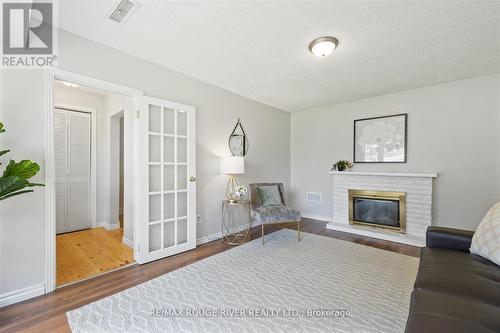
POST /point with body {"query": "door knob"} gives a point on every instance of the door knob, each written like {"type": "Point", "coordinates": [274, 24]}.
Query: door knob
{"type": "Point", "coordinates": [192, 179]}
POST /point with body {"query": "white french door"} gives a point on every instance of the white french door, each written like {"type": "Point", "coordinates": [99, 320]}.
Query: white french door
{"type": "Point", "coordinates": [72, 142]}
{"type": "Point", "coordinates": [167, 184]}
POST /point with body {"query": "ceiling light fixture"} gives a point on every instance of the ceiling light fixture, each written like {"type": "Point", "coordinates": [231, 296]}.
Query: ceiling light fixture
{"type": "Point", "coordinates": [323, 46]}
{"type": "Point", "coordinates": [123, 11]}
{"type": "Point", "coordinates": [69, 84]}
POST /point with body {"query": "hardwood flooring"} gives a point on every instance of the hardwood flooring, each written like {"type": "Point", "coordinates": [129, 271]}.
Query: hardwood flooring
{"type": "Point", "coordinates": [86, 253]}
{"type": "Point", "coordinates": [48, 313]}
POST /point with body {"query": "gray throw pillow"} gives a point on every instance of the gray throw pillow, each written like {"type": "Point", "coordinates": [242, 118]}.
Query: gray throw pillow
{"type": "Point", "coordinates": [270, 195]}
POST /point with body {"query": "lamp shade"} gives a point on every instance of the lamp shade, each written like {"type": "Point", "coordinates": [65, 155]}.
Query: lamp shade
{"type": "Point", "coordinates": [232, 165]}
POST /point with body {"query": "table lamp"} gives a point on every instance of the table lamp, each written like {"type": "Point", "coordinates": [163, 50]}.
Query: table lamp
{"type": "Point", "coordinates": [232, 166]}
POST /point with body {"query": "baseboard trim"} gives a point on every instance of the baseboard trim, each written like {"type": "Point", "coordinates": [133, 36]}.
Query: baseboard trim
{"type": "Point", "coordinates": [317, 217]}
{"type": "Point", "coordinates": [21, 294]}
{"type": "Point", "coordinates": [128, 242]}
{"type": "Point", "coordinates": [218, 235]}
{"type": "Point", "coordinates": [101, 224]}
{"type": "Point", "coordinates": [112, 226]}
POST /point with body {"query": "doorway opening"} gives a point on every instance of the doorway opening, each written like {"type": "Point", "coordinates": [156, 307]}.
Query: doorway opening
{"type": "Point", "coordinates": [159, 171]}
{"type": "Point", "coordinates": [93, 170]}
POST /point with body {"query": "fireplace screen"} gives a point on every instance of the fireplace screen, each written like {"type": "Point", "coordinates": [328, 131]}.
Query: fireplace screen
{"type": "Point", "coordinates": [377, 208]}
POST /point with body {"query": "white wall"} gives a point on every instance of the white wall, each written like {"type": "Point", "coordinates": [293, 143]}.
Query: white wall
{"type": "Point", "coordinates": [217, 109]}
{"type": "Point", "coordinates": [22, 227]}
{"type": "Point", "coordinates": [453, 129]}
{"type": "Point", "coordinates": [119, 107]}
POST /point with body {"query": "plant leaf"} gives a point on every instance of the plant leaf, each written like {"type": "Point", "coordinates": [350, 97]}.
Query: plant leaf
{"type": "Point", "coordinates": [3, 152]}
{"type": "Point", "coordinates": [24, 169]}
{"type": "Point", "coordinates": [34, 184]}
{"type": "Point", "coordinates": [14, 194]}
{"type": "Point", "coordinates": [11, 184]}
{"type": "Point", "coordinates": [15, 177]}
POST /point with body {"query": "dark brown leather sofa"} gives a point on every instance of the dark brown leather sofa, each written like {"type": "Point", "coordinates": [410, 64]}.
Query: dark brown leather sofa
{"type": "Point", "coordinates": [455, 291]}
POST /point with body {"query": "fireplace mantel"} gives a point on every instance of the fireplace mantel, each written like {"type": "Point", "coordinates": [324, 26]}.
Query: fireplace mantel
{"type": "Point", "coordinates": [386, 174]}
{"type": "Point", "coordinates": [418, 187]}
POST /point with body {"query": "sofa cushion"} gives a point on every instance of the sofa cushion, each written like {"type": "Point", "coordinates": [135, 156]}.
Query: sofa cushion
{"type": "Point", "coordinates": [434, 311]}
{"type": "Point", "coordinates": [486, 239]}
{"type": "Point", "coordinates": [274, 214]}
{"type": "Point", "coordinates": [460, 274]}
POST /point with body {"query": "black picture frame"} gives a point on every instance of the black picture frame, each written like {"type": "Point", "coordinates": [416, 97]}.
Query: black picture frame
{"type": "Point", "coordinates": [405, 115]}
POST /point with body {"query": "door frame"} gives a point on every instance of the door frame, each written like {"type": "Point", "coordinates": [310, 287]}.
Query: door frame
{"type": "Point", "coordinates": [50, 75]}
{"type": "Point", "coordinates": [93, 156]}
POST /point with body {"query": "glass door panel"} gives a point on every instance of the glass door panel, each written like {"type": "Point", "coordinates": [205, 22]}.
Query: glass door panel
{"type": "Point", "coordinates": [182, 178]}
{"type": "Point", "coordinates": [182, 231]}
{"type": "Point", "coordinates": [154, 178]}
{"type": "Point", "coordinates": [168, 234]}
{"type": "Point", "coordinates": [154, 119]}
{"type": "Point", "coordinates": [181, 150]}
{"type": "Point", "coordinates": [169, 149]}
{"type": "Point", "coordinates": [154, 237]}
{"type": "Point", "coordinates": [168, 121]}
{"type": "Point", "coordinates": [168, 177]}
{"type": "Point", "coordinates": [169, 206]}
{"type": "Point", "coordinates": [182, 122]}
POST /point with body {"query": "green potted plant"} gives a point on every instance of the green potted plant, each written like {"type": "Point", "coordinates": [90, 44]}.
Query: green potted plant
{"type": "Point", "coordinates": [14, 179]}
{"type": "Point", "coordinates": [341, 165]}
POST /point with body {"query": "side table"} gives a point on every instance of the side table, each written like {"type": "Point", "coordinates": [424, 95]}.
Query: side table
{"type": "Point", "coordinates": [236, 222]}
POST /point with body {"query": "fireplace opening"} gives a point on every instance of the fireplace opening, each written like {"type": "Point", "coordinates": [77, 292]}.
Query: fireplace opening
{"type": "Point", "coordinates": [378, 208]}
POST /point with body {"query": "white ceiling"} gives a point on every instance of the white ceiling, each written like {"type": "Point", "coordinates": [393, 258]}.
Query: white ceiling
{"type": "Point", "coordinates": [259, 49]}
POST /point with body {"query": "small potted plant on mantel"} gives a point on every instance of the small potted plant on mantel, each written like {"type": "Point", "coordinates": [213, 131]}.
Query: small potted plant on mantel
{"type": "Point", "coordinates": [341, 165]}
{"type": "Point", "coordinates": [14, 179]}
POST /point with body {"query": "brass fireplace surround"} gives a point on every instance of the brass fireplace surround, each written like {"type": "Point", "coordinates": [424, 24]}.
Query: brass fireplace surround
{"type": "Point", "coordinates": [398, 196]}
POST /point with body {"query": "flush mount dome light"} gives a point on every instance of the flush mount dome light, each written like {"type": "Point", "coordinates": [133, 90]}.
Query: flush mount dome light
{"type": "Point", "coordinates": [323, 46]}
{"type": "Point", "coordinates": [70, 84]}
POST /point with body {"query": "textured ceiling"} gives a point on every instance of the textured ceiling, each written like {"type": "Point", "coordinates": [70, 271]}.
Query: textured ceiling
{"type": "Point", "coordinates": [259, 49]}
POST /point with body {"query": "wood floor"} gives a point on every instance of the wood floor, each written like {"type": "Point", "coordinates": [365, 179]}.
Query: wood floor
{"type": "Point", "coordinates": [86, 253]}
{"type": "Point", "coordinates": [48, 313]}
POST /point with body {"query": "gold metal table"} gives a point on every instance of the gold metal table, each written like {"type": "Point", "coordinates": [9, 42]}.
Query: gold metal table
{"type": "Point", "coordinates": [236, 222]}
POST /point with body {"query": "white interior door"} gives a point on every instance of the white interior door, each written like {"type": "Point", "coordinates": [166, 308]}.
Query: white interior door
{"type": "Point", "coordinates": [72, 160]}
{"type": "Point", "coordinates": [168, 169]}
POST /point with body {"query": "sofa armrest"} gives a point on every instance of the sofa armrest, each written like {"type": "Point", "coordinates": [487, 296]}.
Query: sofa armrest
{"type": "Point", "coordinates": [449, 238]}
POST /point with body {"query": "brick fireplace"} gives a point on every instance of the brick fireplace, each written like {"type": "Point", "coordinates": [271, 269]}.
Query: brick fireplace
{"type": "Point", "coordinates": [386, 205]}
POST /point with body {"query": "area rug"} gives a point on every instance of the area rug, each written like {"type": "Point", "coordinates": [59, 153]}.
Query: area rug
{"type": "Point", "coordinates": [320, 284]}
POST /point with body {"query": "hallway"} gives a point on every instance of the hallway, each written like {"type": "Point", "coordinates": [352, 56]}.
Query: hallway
{"type": "Point", "coordinates": [90, 252]}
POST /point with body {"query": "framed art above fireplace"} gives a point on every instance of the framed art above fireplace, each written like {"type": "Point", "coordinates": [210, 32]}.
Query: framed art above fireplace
{"type": "Point", "coordinates": [381, 139]}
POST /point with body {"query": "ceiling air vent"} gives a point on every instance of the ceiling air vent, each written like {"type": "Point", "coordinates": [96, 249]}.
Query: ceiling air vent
{"type": "Point", "coordinates": [123, 11]}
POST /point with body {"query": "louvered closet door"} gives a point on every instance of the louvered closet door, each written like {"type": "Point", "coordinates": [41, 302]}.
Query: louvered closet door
{"type": "Point", "coordinates": [61, 150]}
{"type": "Point", "coordinates": [79, 171]}
{"type": "Point", "coordinates": [72, 139]}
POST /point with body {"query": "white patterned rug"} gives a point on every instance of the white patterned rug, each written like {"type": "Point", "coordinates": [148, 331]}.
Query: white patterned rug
{"type": "Point", "coordinates": [270, 288]}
